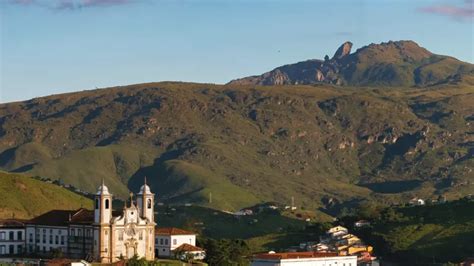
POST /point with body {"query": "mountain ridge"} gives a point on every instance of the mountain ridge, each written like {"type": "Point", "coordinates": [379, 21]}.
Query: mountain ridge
{"type": "Point", "coordinates": [393, 63]}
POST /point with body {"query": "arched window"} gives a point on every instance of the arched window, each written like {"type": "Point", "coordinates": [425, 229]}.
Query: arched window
{"type": "Point", "coordinates": [148, 205]}
{"type": "Point", "coordinates": [96, 204]}
{"type": "Point", "coordinates": [107, 203]}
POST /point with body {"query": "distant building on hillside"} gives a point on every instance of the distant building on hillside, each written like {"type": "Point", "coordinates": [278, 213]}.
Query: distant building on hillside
{"type": "Point", "coordinates": [361, 223]}
{"type": "Point", "coordinates": [417, 202]}
{"type": "Point", "coordinates": [12, 237]}
{"type": "Point", "coordinates": [303, 258]}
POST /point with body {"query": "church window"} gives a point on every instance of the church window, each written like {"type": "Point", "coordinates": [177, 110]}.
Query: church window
{"type": "Point", "coordinates": [107, 204]}
{"type": "Point", "coordinates": [149, 204]}
{"type": "Point", "coordinates": [96, 204]}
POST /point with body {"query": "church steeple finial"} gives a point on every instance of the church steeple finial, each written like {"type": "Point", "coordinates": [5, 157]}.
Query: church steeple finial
{"type": "Point", "coordinates": [145, 180]}
{"type": "Point", "coordinates": [131, 199]}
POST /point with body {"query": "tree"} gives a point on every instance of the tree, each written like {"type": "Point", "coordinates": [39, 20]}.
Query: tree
{"type": "Point", "coordinates": [226, 252]}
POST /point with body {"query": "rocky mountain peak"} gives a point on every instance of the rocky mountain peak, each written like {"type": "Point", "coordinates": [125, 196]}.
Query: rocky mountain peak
{"type": "Point", "coordinates": [343, 50]}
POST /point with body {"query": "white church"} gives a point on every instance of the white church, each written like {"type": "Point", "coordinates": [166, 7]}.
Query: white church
{"type": "Point", "coordinates": [132, 233]}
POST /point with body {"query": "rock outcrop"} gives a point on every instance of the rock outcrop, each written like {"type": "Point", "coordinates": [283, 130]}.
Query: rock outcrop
{"type": "Point", "coordinates": [344, 49]}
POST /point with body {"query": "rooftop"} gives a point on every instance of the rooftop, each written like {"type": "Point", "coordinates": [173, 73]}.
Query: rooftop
{"type": "Point", "coordinates": [188, 247]}
{"type": "Point", "coordinates": [12, 223]}
{"type": "Point", "coordinates": [295, 255]}
{"type": "Point", "coordinates": [172, 231]}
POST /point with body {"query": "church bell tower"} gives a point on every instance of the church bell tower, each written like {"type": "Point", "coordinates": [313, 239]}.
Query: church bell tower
{"type": "Point", "coordinates": [102, 216]}
{"type": "Point", "coordinates": [146, 202]}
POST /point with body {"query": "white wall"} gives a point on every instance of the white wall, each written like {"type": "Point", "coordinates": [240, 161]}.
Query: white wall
{"type": "Point", "coordinates": [165, 244]}
{"type": "Point", "coordinates": [11, 244]}
{"type": "Point", "coordinates": [330, 261]}
{"type": "Point", "coordinates": [46, 238]}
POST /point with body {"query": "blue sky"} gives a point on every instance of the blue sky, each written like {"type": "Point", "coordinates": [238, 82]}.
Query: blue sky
{"type": "Point", "coordinates": [56, 46]}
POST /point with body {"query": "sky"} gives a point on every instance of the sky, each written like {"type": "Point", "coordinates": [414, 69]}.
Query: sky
{"type": "Point", "coordinates": [56, 46]}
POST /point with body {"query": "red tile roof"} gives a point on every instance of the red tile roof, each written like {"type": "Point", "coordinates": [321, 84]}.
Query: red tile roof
{"type": "Point", "coordinates": [168, 231]}
{"type": "Point", "coordinates": [295, 255]}
{"type": "Point", "coordinates": [64, 217]}
{"type": "Point", "coordinates": [188, 248]}
{"type": "Point", "coordinates": [12, 223]}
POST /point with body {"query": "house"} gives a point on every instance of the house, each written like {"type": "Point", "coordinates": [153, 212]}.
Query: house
{"type": "Point", "coordinates": [12, 237]}
{"type": "Point", "coordinates": [417, 202]}
{"type": "Point", "coordinates": [189, 251]}
{"type": "Point", "coordinates": [101, 235]}
{"type": "Point", "coordinates": [337, 231]}
{"type": "Point", "coordinates": [309, 258]}
{"type": "Point", "coordinates": [169, 238]}
{"type": "Point", "coordinates": [361, 224]}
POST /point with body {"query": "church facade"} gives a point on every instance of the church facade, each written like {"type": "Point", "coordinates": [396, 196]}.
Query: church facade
{"type": "Point", "coordinates": [127, 235]}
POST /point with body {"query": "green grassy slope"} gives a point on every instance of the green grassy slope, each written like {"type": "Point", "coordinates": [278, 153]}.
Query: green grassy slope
{"type": "Point", "coordinates": [439, 233]}
{"type": "Point", "coordinates": [25, 197]}
{"type": "Point", "coordinates": [323, 145]}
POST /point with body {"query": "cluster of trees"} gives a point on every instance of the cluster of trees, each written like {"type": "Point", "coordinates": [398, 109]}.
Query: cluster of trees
{"type": "Point", "coordinates": [226, 251]}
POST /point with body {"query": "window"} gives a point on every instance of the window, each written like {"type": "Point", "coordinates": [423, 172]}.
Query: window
{"type": "Point", "coordinates": [56, 240]}
{"type": "Point", "coordinates": [44, 249]}
{"type": "Point", "coordinates": [19, 235]}
{"type": "Point", "coordinates": [62, 240]}
{"type": "Point", "coordinates": [37, 238]}
{"type": "Point", "coordinates": [174, 242]}
{"type": "Point", "coordinates": [166, 241]}
{"type": "Point", "coordinates": [107, 204]}
{"type": "Point", "coordinates": [11, 249]}
{"type": "Point", "coordinates": [51, 231]}
{"type": "Point", "coordinates": [73, 232]}
{"type": "Point", "coordinates": [2, 235]}
{"type": "Point", "coordinates": [31, 238]}
{"type": "Point", "coordinates": [148, 205]}
{"type": "Point", "coordinates": [161, 241]}
{"type": "Point", "coordinates": [19, 249]}
{"type": "Point", "coordinates": [44, 238]}
{"type": "Point", "coordinates": [79, 232]}
{"type": "Point", "coordinates": [2, 250]}
{"type": "Point", "coordinates": [11, 235]}
{"type": "Point", "coordinates": [60, 231]}
{"type": "Point", "coordinates": [51, 239]}
{"type": "Point", "coordinates": [96, 204]}
{"type": "Point", "coordinates": [120, 236]}
{"type": "Point", "coordinates": [31, 249]}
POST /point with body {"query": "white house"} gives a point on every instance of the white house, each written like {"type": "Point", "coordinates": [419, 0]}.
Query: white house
{"type": "Point", "coordinates": [168, 239]}
{"type": "Point", "coordinates": [303, 259]}
{"type": "Point", "coordinates": [336, 231]}
{"type": "Point", "coordinates": [12, 237]}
